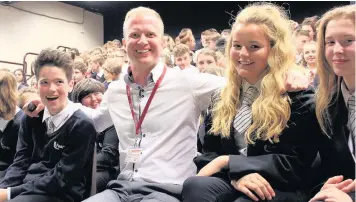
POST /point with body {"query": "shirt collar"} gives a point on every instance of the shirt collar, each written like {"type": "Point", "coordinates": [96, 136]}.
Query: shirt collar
{"type": "Point", "coordinates": [100, 73]}
{"type": "Point", "coordinates": [345, 92]}
{"type": "Point", "coordinates": [152, 77]}
{"type": "Point", "coordinates": [246, 85]}
{"type": "Point", "coordinates": [3, 122]}
{"type": "Point", "coordinates": [257, 85]}
{"type": "Point", "coordinates": [17, 110]}
{"type": "Point", "coordinates": [61, 116]}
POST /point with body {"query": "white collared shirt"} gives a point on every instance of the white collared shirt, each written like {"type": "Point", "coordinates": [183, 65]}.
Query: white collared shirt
{"type": "Point", "coordinates": [100, 73]}
{"type": "Point", "coordinates": [169, 131]}
{"type": "Point", "coordinates": [3, 122]}
{"type": "Point", "coordinates": [60, 118]}
{"type": "Point", "coordinates": [191, 70]}
{"type": "Point", "coordinates": [246, 85]}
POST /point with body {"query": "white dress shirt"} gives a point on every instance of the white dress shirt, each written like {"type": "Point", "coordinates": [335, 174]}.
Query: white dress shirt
{"type": "Point", "coordinates": [3, 122]}
{"type": "Point", "coordinates": [59, 119]}
{"type": "Point", "coordinates": [169, 131]}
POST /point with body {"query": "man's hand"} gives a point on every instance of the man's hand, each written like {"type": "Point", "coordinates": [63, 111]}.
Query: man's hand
{"type": "Point", "coordinates": [3, 195]}
{"type": "Point", "coordinates": [39, 107]}
{"type": "Point", "coordinates": [256, 183]}
{"type": "Point", "coordinates": [331, 194]}
{"type": "Point", "coordinates": [337, 182]}
{"type": "Point", "coordinates": [214, 166]}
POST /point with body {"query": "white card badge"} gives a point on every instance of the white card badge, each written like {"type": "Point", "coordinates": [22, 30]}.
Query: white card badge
{"type": "Point", "coordinates": [133, 155]}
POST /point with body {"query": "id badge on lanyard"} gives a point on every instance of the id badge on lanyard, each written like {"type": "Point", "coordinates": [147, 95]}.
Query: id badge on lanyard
{"type": "Point", "coordinates": [134, 154]}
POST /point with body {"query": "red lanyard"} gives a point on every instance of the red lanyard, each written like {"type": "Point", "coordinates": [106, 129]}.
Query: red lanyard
{"type": "Point", "coordinates": [128, 92]}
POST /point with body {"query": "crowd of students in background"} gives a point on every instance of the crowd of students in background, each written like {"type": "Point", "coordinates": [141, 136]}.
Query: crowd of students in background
{"type": "Point", "coordinates": [225, 122]}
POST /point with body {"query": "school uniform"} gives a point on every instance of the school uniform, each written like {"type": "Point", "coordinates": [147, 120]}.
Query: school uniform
{"type": "Point", "coordinates": [337, 151]}
{"type": "Point", "coordinates": [284, 165]}
{"type": "Point", "coordinates": [107, 158]}
{"type": "Point", "coordinates": [99, 76]}
{"type": "Point", "coordinates": [9, 130]}
{"type": "Point", "coordinates": [22, 85]}
{"type": "Point", "coordinates": [54, 157]}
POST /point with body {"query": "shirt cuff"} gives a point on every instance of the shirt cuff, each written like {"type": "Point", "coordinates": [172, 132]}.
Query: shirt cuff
{"type": "Point", "coordinates": [8, 193]}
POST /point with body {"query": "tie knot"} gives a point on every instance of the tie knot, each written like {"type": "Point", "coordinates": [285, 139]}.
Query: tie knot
{"type": "Point", "coordinates": [250, 95]}
{"type": "Point", "coordinates": [351, 102]}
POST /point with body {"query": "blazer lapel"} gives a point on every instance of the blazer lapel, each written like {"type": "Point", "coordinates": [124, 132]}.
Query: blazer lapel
{"type": "Point", "coordinates": [340, 132]}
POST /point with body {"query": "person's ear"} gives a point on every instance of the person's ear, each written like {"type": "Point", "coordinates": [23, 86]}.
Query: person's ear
{"type": "Point", "coordinates": [123, 43]}
{"type": "Point", "coordinates": [71, 85]}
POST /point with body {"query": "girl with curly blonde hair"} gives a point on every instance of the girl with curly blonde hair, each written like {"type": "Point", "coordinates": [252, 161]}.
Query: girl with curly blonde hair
{"type": "Point", "coordinates": [262, 138]}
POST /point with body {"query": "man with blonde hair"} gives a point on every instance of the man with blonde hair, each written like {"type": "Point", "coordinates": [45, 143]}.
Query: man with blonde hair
{"type": "Point", "coordinates": [156, 148]}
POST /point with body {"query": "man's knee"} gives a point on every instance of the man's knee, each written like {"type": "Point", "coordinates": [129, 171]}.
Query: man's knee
{"type": "Point", "coordinates": [159, 197]}
{"type": "Point", "coordinates": [107, 195]}
{"type": "Point", "coordinates": [196, 182]}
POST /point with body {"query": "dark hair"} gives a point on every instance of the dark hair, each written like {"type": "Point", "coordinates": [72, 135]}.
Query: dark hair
{"type": "Point", "coordinates": [75, 51]}
{"type": "Point", "coordinates": [220, 44]}
{"type": "Point", "coordinates": [54, 57]}
{"type": "Point", "coordinates": [80, 66]}
{"type": "Point", "coordinates": [23, 74]}
{"type": "Point", "coordinates": [85, 87]}
{"type": "Point", "coordinates": [226, 30]}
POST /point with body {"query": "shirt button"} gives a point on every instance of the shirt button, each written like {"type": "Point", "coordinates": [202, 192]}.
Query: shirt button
{"type": "Point", "coordinates": [136, 170]}
{"type": "Point", "coordinates": [143, 135]}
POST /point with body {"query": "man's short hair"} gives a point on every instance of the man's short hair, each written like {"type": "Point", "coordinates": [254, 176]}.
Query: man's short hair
{"type": "Point", "coordinates": [180, 49]}
{"type": "Point", "coordinates": [97, 59]}
{"type": "Point", "coordinates": [300, 32]}
{"type": "Point", "coordinates": [80, 66]}
{"type": "Point", "coordinates": [142, 11]}
{"type": "Point", "coordinates": [113, 65]}
{"type": "Point", "coordinates": [227, 31]}
{"type": "Point", "coordinates": [56, 58]}
{"type": "Point", "coordinates": [220, 44]}
{"type": "Point", "coordinates": [214, 36]}
{"type": "Point", "coordinates": [22, 92]}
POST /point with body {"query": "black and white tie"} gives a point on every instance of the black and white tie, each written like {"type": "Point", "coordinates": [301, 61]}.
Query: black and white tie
{"type": "Point", "coordinates": [50, 126]}
{"type": "Point", "coordinates": [243, 117]}
{"type": "Point", "coordinates": [351, 122]}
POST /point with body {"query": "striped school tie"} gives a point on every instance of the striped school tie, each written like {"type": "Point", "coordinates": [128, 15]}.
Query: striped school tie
{"type": "Point", "coordinates": [50, 126]}
{"type": "Point", "coordinates": [243, 118]}
{"type": "Point", "coordinates": [351, 122]}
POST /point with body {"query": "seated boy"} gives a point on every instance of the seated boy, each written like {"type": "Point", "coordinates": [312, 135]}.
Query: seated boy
{"type": "Point", "coordinates": [112, 70]}
{"type": "Point", "coordinates": [54, 150]}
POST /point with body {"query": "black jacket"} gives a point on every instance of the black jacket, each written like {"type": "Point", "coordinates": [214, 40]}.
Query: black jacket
{"type": "Point", "coordinates": [285, 165]}
{"type": "Point", "coordinates": [335, 155]}
{"type": "Point", "coordinates": [8, 141]}
{"type": "Point", "coordinates": [107, 152]}
{"type": "Point", "coordinates": [57, 164]}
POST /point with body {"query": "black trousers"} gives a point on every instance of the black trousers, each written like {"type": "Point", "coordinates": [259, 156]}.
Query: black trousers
{"type": "Point", "coordinates": [212, 189]}
{"type": "Point", "coordinates": [35, 198]}
{"type": "Point", "coordinates": [102, 179]}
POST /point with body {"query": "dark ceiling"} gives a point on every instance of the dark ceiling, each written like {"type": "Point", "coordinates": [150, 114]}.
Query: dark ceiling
{"type": "Point", "coordinates": [197, 15]}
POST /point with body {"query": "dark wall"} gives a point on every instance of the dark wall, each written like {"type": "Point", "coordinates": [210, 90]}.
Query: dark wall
{"type": "Point", "coordinates": [200, 16]}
